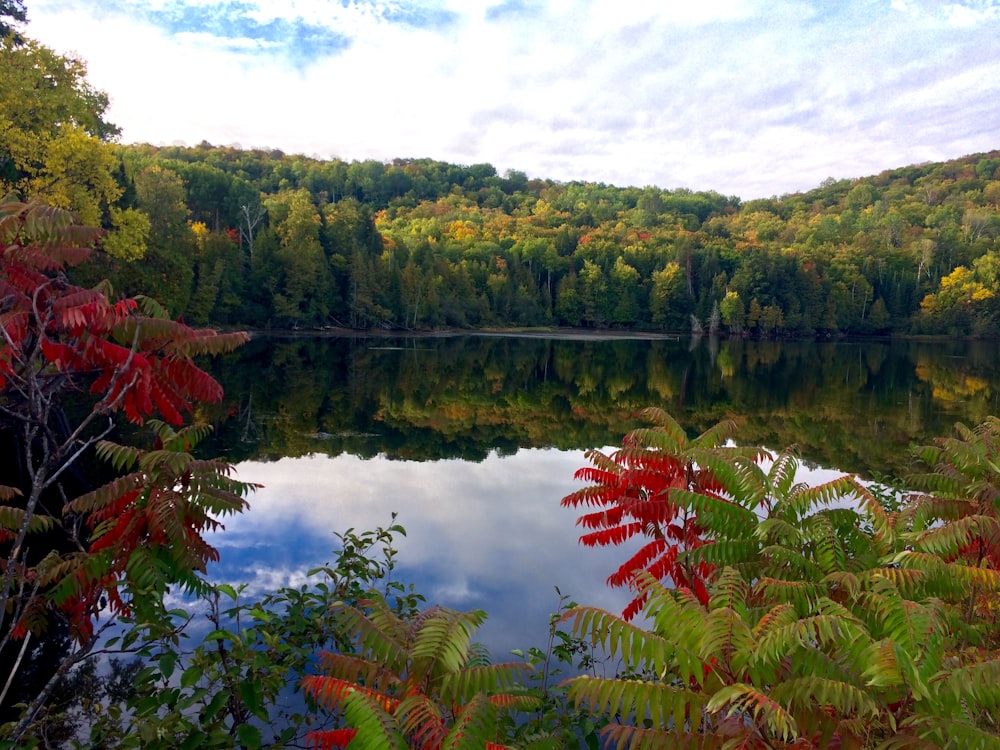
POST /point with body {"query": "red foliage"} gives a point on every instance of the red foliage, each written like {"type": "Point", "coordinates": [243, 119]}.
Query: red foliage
{"type": "Point", "coordinates": [329, 739]}
{"type": "Point", "coordinates": [60, 337]}
{"type": "Point", "coordinates": [82, 333]}
{"type": "Point", "coordinates": [631, 489]}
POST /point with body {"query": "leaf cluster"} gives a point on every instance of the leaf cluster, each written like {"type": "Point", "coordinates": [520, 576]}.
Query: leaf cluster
{"type": "Point", "coordinates": [829, 620]}
{"type": "Point", "coordinates": [417, 682]}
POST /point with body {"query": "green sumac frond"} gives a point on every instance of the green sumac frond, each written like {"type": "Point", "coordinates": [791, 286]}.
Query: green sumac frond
{"type": "Point", "coordinates": [474, 726]}
{"type": "Point", "coordinates": [728, 552]}
{"type": "Point", "coordinates": [444, 640]}
{"type": "Point", "coordinates": [462, 684]}
{"type": "Point", "coordinates": [12, 519]}
{"type": "Point", "coordinates": [376, 729]}
{"type": "Point", "coordinates": [776, 530]}
{"type": "Point", "coordinates": [745, 700]}
{"type": "Point", "coordinates": [958, 499]}
{"type": "Point", "coordinates": [730, 591]}
{"type": "Point", "coordinates": [950, 539]}
{"type": "Point", "coordinates": [803, 499]}
{"type": "Point", "coordinates": [806, 693]}
{"type": "Point", "coordinates": [383, 646]}
{"type": "Point", "coordinates": [950, 581]}
{"type": "Point", "coordinates": [717, 516]}
{"type": "Point", "coordinates": [825, 632]}
{"type": "Point", "coordinates": [121, 457]}
{"type": "Point", "coordinates": [974, 684]}
{"type": "Point", "coordinates": [791, 563]}
{"type": "Point", "coordinates": [421, 677]}
{"type": "Point", "coordinates": [891, 615]}
{"type": "Point", "coordinates": [727, 637]}
{"type": "Point", "coordinates": [667, 426]}
{"type": "Point", "coordinates": [636, 646]}
{"type": "Point", "coordinates": [663, 705]}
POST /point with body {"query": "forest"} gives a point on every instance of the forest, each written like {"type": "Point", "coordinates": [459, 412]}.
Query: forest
{"type": "Point", "coordinates": [264, 239]}
{"type": "Point", "coordinates": [270, 240]}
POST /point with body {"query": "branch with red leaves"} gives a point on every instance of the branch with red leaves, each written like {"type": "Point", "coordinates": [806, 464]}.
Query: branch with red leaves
{"type": "Point", "coordinates": [62, 343]}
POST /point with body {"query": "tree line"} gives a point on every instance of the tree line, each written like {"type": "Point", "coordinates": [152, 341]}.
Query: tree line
{"type": "Point", "coordinates": [272, 240]}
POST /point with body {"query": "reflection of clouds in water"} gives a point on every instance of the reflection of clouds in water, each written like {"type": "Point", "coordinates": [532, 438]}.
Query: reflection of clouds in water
{"type": "Point", "coordinates": [488, 535]}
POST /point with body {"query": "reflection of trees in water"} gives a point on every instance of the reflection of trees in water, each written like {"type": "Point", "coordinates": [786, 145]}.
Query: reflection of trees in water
{"type": "Point", "coordinates": [856, 406]}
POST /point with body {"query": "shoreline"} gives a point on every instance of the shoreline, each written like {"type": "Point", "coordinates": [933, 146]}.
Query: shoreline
{"type": "Point", "coordinates": [572, 334]}
{"type": "Point", "coordinates": [566, 334]}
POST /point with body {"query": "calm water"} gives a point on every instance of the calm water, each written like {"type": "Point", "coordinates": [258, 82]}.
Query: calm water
{"type": "Point", "coordinates": [474, 440]}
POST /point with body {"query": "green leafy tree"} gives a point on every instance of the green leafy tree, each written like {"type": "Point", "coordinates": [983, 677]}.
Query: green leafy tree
{"type": "Point", "coordinates": [305, 282]}
{"type": "Point", "coordinates": [54, 131]}
{"type": "Point", "coordinates": [595, 294]}
{"type": "Point", "coordinates": [732, 311]}
{"type": "Point", "coordinates": [569, 306]}
{"type": "Point", "coordinates": [668, 298]}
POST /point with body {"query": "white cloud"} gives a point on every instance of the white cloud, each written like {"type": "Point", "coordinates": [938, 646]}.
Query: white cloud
{"type": "Point", "coordinates": [488, 535]}
{"type": "Point", "coordinates": [739, 96]}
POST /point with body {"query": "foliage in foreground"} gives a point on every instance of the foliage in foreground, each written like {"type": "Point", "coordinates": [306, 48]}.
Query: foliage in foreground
{"type": "Point", "coordinates": [74, 557]}
{"type": "Point", "coordinates": [829, 621]}
{"type": "Point", "coordinates": [835, 617]}
{"type": "Point", "coordinates": [237, 683]}
{"type": "Point", "coordinates": [415, 682]}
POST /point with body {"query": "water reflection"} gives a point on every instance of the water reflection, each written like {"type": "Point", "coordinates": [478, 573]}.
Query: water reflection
{"type": "Point", "coordinates": [857, 406]}
{"type": "Point", "coordinates": [473, 441]}
{"type": "Point", "coordinates": [488, 535]}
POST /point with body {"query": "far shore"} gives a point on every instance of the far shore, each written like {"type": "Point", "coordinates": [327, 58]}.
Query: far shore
{"type": "Point", "coordinates": [566, 334]}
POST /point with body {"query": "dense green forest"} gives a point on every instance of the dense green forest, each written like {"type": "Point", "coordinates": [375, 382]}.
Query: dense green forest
{"type": "Point", "coordinates": [271, 240]}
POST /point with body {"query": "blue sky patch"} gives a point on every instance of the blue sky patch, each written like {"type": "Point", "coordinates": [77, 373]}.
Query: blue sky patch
{"type": "Point", "coordinates": [509, 8]}
{"type": "Point", "coordinates": [299, 41]}
{"type": "Point", "coordinates": [431, 16]}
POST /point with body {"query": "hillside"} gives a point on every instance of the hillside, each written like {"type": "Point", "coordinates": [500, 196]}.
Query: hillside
{"type": "Point", "coordinates": [274, 240]}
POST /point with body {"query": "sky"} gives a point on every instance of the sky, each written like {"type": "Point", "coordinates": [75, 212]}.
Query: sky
{"type": "Point", "coordinates": [752, 98]}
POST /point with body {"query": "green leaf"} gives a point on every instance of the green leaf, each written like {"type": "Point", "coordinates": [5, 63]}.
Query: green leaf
{"type": "Point", "coordinates": [249, 735]}
{"type": "Point", "coordinates": [167, 663]}
{"type": "Point", "coordinates": [215, 705]}
{"type": "Point", "coordinates": [220, 635]}
{"type": "Point", "coordinates": [190, 677]}
{"type": "Point", "coordinates": [250, 693]}
{"type": "Point", "coordinates": [228, 590]}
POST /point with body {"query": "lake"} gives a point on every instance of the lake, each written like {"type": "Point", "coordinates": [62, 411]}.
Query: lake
{"type": "Point", "coordinates": [473, 440]}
